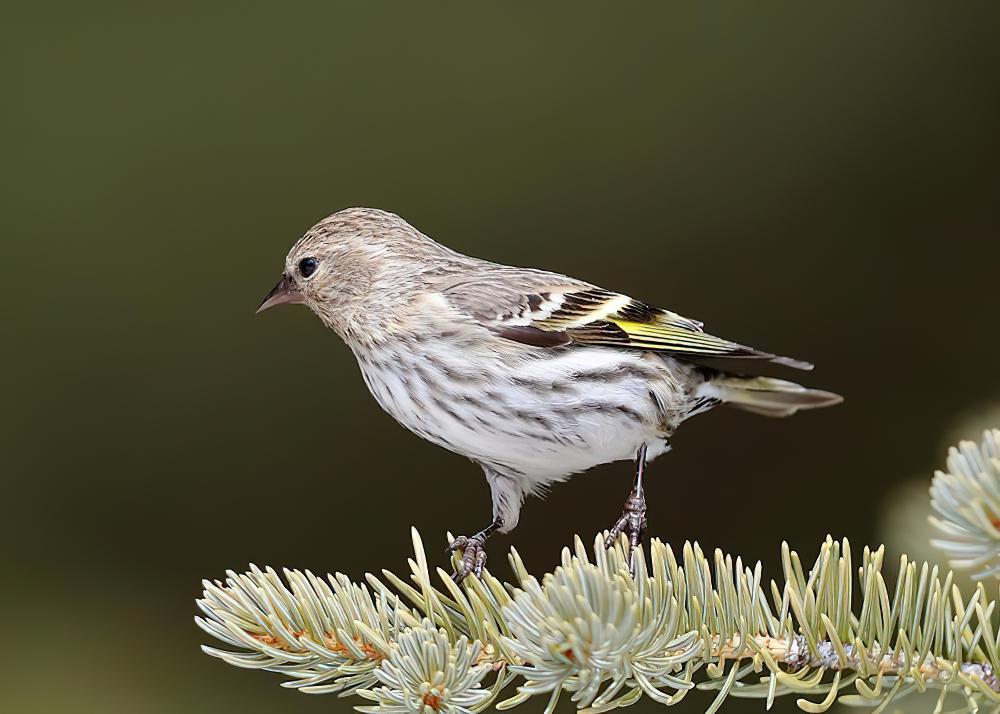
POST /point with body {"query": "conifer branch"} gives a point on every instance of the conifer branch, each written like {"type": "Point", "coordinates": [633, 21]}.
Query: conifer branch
{"type": "Point", "coordinates": [595, 633]}
{"type": "Point", "coordinates": [966, 500]}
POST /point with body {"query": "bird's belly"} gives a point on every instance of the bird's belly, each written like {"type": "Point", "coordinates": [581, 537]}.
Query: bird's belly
{"type": "Point", "coordinates": [540, 419]}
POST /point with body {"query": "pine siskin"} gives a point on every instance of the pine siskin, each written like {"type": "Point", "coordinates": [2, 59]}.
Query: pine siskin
{"type": "Point", "coordinates": [533, 375]}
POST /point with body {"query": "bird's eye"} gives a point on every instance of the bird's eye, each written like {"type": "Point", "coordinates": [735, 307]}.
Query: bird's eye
{"type": "Point", "coordinates": [307, 266]}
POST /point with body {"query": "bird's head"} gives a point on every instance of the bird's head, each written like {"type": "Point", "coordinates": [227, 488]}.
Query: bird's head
{"type": "Point", "coordinates": [352, 262]}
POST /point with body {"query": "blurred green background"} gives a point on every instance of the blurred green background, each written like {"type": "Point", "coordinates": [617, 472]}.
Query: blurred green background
{"type": "Point", "coordinates": [818, 182]}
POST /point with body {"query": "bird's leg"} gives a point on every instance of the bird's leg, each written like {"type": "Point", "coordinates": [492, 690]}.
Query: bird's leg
{"type": "Point", "coordinates": [473, 551]}
{"type": "Point", "coordinates": [633, 520]}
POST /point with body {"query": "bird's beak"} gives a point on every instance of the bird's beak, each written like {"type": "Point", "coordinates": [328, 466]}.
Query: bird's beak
{"type": "Point", "coordinates": [284, 291]}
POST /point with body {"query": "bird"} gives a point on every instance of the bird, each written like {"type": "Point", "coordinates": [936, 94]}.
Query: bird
{"type": "Point", "coordinates": [533, 375]}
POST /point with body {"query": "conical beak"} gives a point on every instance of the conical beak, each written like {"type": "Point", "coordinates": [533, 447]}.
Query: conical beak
{"type": "Point", "coordinates": [284, 291]}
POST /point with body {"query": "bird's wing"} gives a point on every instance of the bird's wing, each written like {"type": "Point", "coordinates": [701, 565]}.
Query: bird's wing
{"type": "Point", "coordinates": [540, 309]}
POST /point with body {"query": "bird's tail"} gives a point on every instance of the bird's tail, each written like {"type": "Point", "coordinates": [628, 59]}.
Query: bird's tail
{"type": "Point", "coordinates": [766, 395]}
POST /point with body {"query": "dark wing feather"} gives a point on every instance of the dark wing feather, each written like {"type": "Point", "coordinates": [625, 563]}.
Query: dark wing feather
{"type": "Point", "coordinates": [534, 336]}
{"type": "Point", "coordinates": [555, 313]}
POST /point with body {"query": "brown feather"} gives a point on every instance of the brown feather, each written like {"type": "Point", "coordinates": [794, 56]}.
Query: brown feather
{"type": "Point", "coordinates": [525, 334]}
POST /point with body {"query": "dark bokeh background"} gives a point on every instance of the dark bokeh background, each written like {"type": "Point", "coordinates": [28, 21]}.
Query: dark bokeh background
{"type": "Point", "coordinates": [823, 183]}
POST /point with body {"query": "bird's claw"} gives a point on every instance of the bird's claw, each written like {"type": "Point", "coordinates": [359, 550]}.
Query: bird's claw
{"type": "Point", "coordinates": [632, 524]}
{"type": "Point", "coordinates": [473, 556]}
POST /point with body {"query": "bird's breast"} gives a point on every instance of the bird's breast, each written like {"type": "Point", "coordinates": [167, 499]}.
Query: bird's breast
{"type": "Point", "coordinates": [540, 414]}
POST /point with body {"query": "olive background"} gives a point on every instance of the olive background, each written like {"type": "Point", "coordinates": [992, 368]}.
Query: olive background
{"type": "Point", "coordinates": [817, 181]}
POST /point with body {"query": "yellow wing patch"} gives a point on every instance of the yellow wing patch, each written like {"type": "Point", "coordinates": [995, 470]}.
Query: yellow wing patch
{"type": "Point", "coordinates": [599, 317]}
{"type": "Point", "coordinates": [664, 337]}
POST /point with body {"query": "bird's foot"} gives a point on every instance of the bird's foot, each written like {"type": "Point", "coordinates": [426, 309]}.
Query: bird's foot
{"type": "Point", "coordinates": [632, 524]}
{"type": "Point", "coordinates": [473, 552]}
{"type": "Point", "coordinates": [473, 556]}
